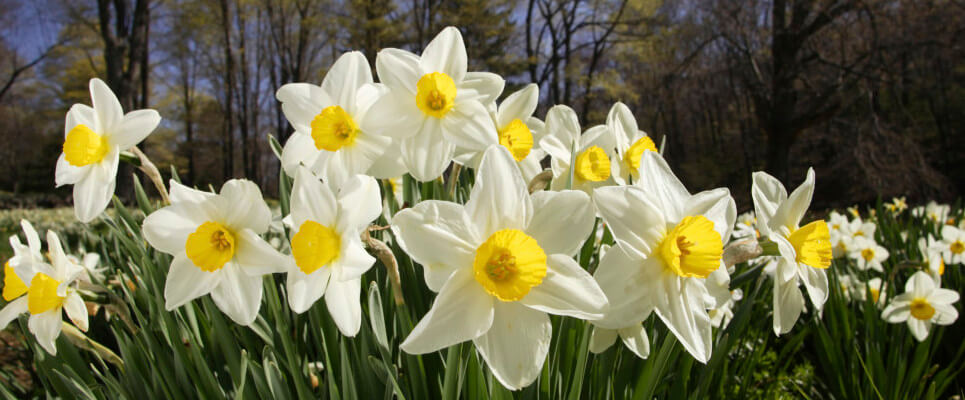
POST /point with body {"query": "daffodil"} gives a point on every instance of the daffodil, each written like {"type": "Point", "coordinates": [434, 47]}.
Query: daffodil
{"type": "Point", "coordinates": [922, 305]}
{"type": "Point", "coordinates": [94, 138]}
{"type": "Point", "coordinates": [500, 264]}
{"type": "Point", "coordinates": [867, 254]}
{"type": "Point", "coordinates": [328, 258]}
{"type": "Point", "coordinates": [859, 228]}
{"type": "Point", "coordinates": [668, 253]}
{"type": "Point", "coordinates": [215, 241]}
{"type": "Point", "coordinates": [720, 317]}
{"type": "Point", "coordinates": [45, 291]}
{"type": "Point", "coordinates": [931, 256]}
{"type": "Point", "coordinates": [897, 205]}
{"type": "Point", "coordinates": [433, 104]}
{"type": "Point", "coordinates": [952, 245]}
{"type": "Point", "coordinates": [876, 290]}
{"type": "Point", "coordinates": [594, 152]}
{"type": "Point", "coordinates": [746, 226]}
{"type": "Point", "coordinates": [330, 137]}
{"type": "Point", "coordinates": [633, 336]}
{"type": "Point", "coordinates": [934, 212]}
{"type": "Point", "coordinates": [805, 251]}
{"type": "Point", "coordinates": [630, 142]}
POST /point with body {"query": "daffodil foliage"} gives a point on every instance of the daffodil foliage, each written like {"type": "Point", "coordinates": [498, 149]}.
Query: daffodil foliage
{"type": "Point", "coordinates": [435, 237]}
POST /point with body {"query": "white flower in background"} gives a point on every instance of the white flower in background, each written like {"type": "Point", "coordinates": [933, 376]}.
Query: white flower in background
{"type": "Point", "coordinates": [328, 258]}
{"type": "Point", "coordinates": [805, 250]}
{"type": "Point", "coordinates": [633, 336]}
{"type": "Point", "coordinates": [593, 166]}
{"type": "Point", "coordinates": [922, 304]}
{"type": "Point", "coordinates": [432, 104]}
{"type": "Point", "coordinates": [45, 291]}
{"type": "Point", "coordinates": [746, 226]}
{"type": "Point", "coordinates": [630, 143]}
{"type": "Point", "coordinates": [858, 228]}
{"type": "Point", "coordinates": [877, 290]}
{"type": "Point", "coordinates": [329, 135]}
{"type": "Point", "coordinates": [94, 138]}
{"type": "Point", "coordinates": [897, 205]}
{"type": "Point", "coordinates": [89, 264]}
{"type": "Point", "coordinates": [837, 221]}
{"type": "Point", "coordinates": [937, 213]}
{"type": "Point", "coordinates": [215, 241]}
{"type": "Point", "coordinates": [953, 245]}
{"type": "Point", "coordinates": [867, 254]}
{"type": "Point", "coordinates": [853, 210]}
{"type": "Point", "coordinates": [720, 317]}
{"type": "Point", "coordinates": [26, 258]}
{"type": "Point", "coordinates": [668, 253]}
{"type": "Point", "coordinates": [931, 256]}
{"type": "Point", "coordinates": [841, 243]}
{"type": "Point", "coordinates": [500, 264]}
{"type": "Point", "coordinates": [848, 283]}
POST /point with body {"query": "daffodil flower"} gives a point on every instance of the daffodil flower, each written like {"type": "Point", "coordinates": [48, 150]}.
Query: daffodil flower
{"type": "Point", "coordinates": [593, 150]}
{"type": "Point", "coordinates": [215, 241]}
{"type": "Point", "coordinates": [45, 291]}
{"type": "Point", "coordinates": [629, 140]}
{"type": "Point", "coordinates": [668, 253]}
{"type": "Point", "coordinates": [329, 135]}
{"type": "Point", "coordinates": [931, 256]}
{"type": "Point", "coordinates": [952, 245]}
{"type": "Point", "coordinates": [433, 104]}
{"type": "Point", "coordinates": [633, 336]}
{"type": "Point", "coordinates": [500, 264]}
{"type": "Point", "coordinates": [328, 258]}
{"type": "Point", "coordinates": [867, 254]}
{"type": "Point", "coordinates": [805, 251]}
{"type": "Point", "coordinates": [94, 139]}
{"type": "Point", "coordinates": [922, 305]}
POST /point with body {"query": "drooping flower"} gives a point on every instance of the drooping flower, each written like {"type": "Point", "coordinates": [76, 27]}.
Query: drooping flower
{"type": "Point", "coordinates": [215, 241]}
{"type": "Point", "coordinates": [330, 137]}
{"type": "Point", "coordinates": [328, 258]}
{"type": "Point", "coordinates": [433, 104]}
{"type": "Point", "coordinates": [589, 157]}
{"type": "Point", "coordinates": [867, 254]}
{"type": "Point", "coordinates": [922, 305]}
{"type": "Point", "coordinates": [630, 142]}
{"type": "Point", "coordinates": [668, 253]}
{"type": "Point", "coordinates": [805, 250]}
{"type": "Point", "coordinates": [500, 264]}
{"type": "Point", "coordinates": [94, 138]}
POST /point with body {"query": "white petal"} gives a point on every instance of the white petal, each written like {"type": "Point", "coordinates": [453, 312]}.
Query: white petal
{"type": "Point", "coordinates": [359, 202]}
{"type": "Point", "coordinates": [469, 126]}
{"type": "Point", "coordinates": [920, 284]}
{"type": "Point", "coordinates": [899, 310]}
{"type": "Point", "coordinates": [398, 69]}
{"type": "Point", "coordinates": [396, 115]}
{"type": "Point", "coordinates": [238, 295]}
{"type": "Point", "coordinates": [562, 123]}
{"type": "Point", "coordinates": [601, 339]}
{"type": "Point", "coordinates": [304, 290]}
{"type": "Point", "coordinates": [446, 53]}
{"type": "Point", "coordinates": [499, 197]}
{"type": "Point", "coordinates": [437, 235]}
{"type": "Point", "coordinates": [624, 125]}
{"type": "Point", "coordinates": [816, 282]}
{"type": "Point", "coordinates": [626, 279]}
{"type": "Point", "coordinates": [80, 114]}
{"type": "Point", "coordinates": [788, 303]}
{"type": "Point", "coordinates": [353, 259]}
{"type": "Point", "coordinates": [631, 216]}
{"type": "Point", "coordinates": [180, 193]}
{"type": "Point", "coordinates": [567, 290]}
{"type": "Point", "coordinates": [945, 314]}
{"type": "Point", "coordinates": [515, 347]}
{"type": "Point", "coordinates": [342, 301]}
{"type": "Point", "coordinates": [943, 296]}
{"type": "Point", "coordinates": [462, 311]}
{"type": "Point", "coordinates": [791, 212]}
{"type": "Point", "coordinates": [76, 310]}
{"type": "Point", "coordinates": [562, 221]}
{"type": "Point", "coordinates": [635, 338]}
{"type": "Point", "coordinates": [134, 127]}
{"type": "Point", "coordinates": [311, 200]}
{"type": "Point", "coordinates": [106, 106]}
{"type": "Point", "coordinates": [67, 174]}
{"type": "Point", "coordinates": [12, 310]}
{"type": "Point", "coordinates": [299, 150]}
{"type": "Point", "coordinates": [768, 194]}
{"type": "Point", "coordinates": [255, 256]}
{"type": "Point", "coordinates": [167, 229]}
{"type": "Point", "coordinates": [661, 185]}
{"type": "Point", "coordinates": [428, 153]}
{"type": "Point", "coordinates": [487, 85]}
{"type": "Point", "coordinates": [93, 193]}
{"type": "Point", "coordinates": [389, 164]}
{"type": "Point", "coordinates": [46, 328]}
{"type": "Point", "coordinates": [919, 328]}
{"type": "Point", "coordinates": [345, 78]}
{"type": "Point", "coordinates": [519, 105]}
{"type": "Point", "coordinates": [301, 102]}
{"type": "Point", "coordinates": [244, 207]}
{"type": "Point", "coordinates": [186, 282]}
{"type": "Point", "coordinates": [681, 307]}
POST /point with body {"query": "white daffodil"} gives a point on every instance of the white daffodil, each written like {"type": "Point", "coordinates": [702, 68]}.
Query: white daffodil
{"type": "Point", "coordinates": [867, 253]}
{"type": "Point", "coordinates": [94, 139]}
{"type": "Point", "coordinates": [746, 226]}
{"type": "Point", "coordinates": [45, 291]}
{"type": "Point", "coordinates": [922, 304]}
{"type": "Point", "coordinates": [328, 258]}
{"type": "Point", "coordinates": [630, 143]}
{"type": "Point", "coordinates": [720, 317]}
{"type": "Point", "coordinates": [837, 221]}
{"type": "Point", "coordinates": [877, 290]}
{"type": "Point", "coordinates": [215, 241]}
{"type": "Point", "coordinates": [805, 250]}
{"type": "Point", "coordinates": [432, 104]}
{"type": "Point", "coordinates": [934, 212]}
{"type": "Point", "coordinates": [330, 137]}
{"type": "Point", "coordinates": [633, 336]}
{"type": "Point", "coordinates": [593, 149]}
{"type": "Point", "coordinates": [500, 264]}
{"type": "Point", "coordinates": [89, 264]}
{"type": "Point", "coordinates": [897, 205]}
{"type": "Point", "coordinates": [859, 228]}
{"type": "Point", "coordinates": [849, 285]}
{"type": "Point", "coordinates": [931, 256]}
{"type": "Point", "coordinates": [668, 253]}
{"type": "Point", "coordinates": [952, 245]}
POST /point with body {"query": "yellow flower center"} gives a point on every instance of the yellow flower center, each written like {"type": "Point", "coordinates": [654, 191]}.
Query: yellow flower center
{"type": "Point", "coordinates": [435, 94]}
{"type": "Point", "coordinates": [941, 267]}
{"type": "Point", "coordinates": [592, 165]}
{"type": "Point", "coordinates": [692, 249]}
{"type": "Point", "coordinates": [84, 147]}
{"type": "Point", "coordinates": [632, 157]}
{"type": "Point", "coordinates": [333, 128]}
{"type": "Point", "coordinates": [868, 254]}
{"type": "Point", "coordinates": [875, 294]}
{"type": "Point", "coordinates": [210, 246]}
{"type": "Point", "coordinates": [858, 233]}
{"type": "Point", "coordinates": [812, 243]}
{"type": "Point", "coordinates": [315, 246]}
{"type": "Point", "coordinates": [517, 137]}
{"type": "Point", "coordinates": [509, 264]}
{"type": "Point", "coordinates": [921, 309]}
{"type": "Point", "coordinates": [957, 247]}
{"type": "Point", "coordinates": [42, 295]}
{"type": "Point", "coordinates": [13, 286]}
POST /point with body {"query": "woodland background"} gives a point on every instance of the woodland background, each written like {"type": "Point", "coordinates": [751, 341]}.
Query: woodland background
{"type": "Point", "coordinates": [868, 92]}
